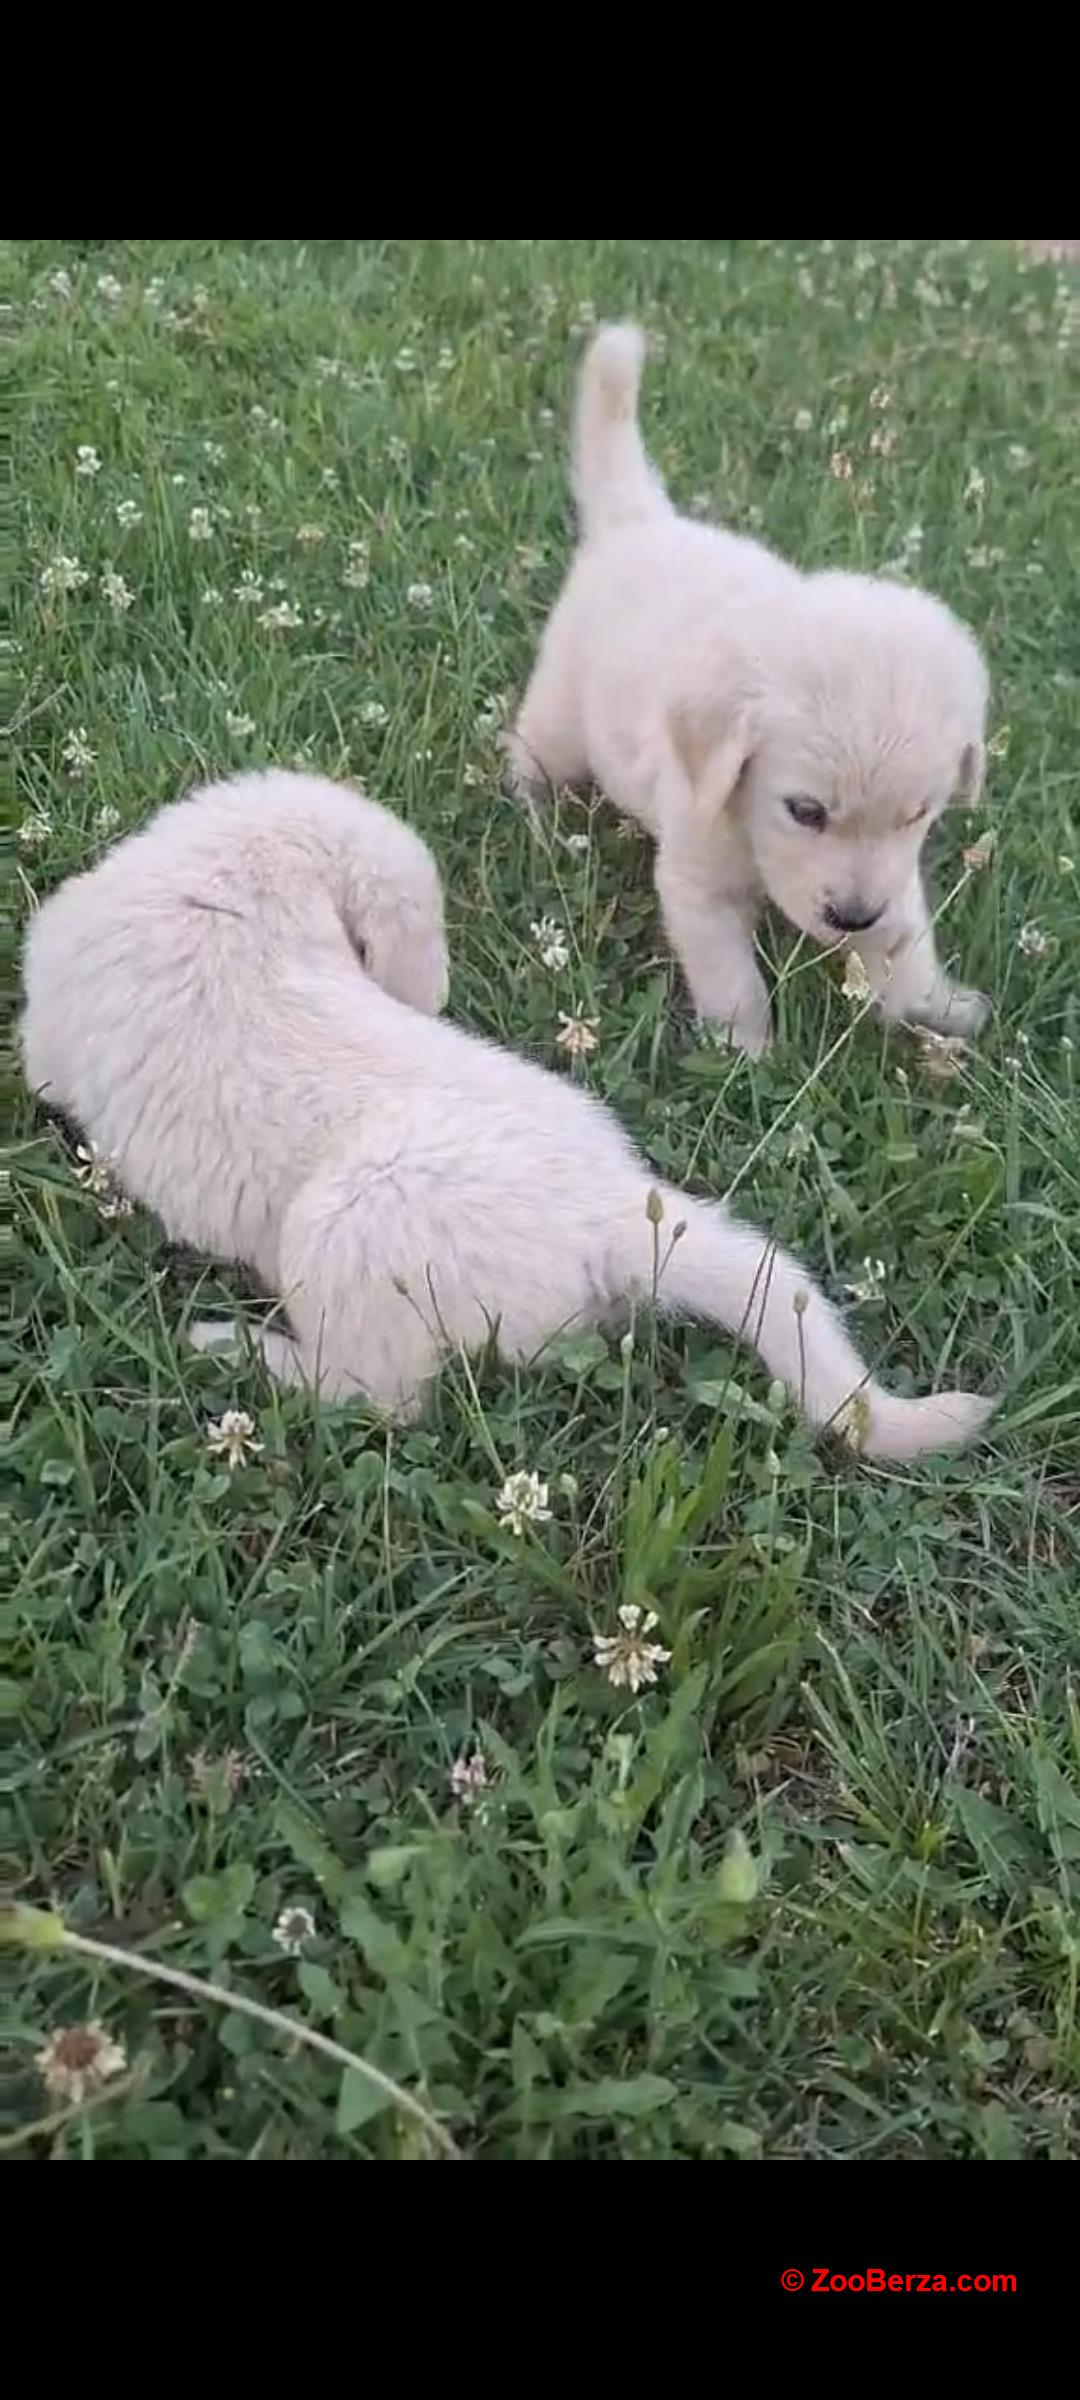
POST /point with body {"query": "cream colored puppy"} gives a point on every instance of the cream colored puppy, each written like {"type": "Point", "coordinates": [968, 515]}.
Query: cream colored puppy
{"type": "Point", "coordinates": [784, 736]}
{"type": "Point", "coordinates": [238, 1006]}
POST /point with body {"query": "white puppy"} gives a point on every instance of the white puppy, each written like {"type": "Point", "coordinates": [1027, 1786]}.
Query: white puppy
{"type": "Point", "coordinates": [782, 735]}
{"type": "Point", "coordinates": [219, 1004]}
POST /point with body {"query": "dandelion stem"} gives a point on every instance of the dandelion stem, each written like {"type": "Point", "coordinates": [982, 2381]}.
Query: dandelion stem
{"type": "Point", "coordinates": [108, 1954]}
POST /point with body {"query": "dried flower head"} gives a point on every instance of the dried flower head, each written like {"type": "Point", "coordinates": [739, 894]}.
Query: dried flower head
{"type": "Point", "coordinates": [577, 1035]}
{"type": "Point", "coordinates": [78, 2060]}
{"type": "Point", "coordinates": [941, 1055]}
{"type": "Point", "coordinates": [628, 1657]}
{"type": "Point", "coordinates": [855, 985]}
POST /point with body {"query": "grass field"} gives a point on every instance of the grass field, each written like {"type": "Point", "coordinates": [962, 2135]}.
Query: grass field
{"type": "Point", "coordinates": [815, 1893]}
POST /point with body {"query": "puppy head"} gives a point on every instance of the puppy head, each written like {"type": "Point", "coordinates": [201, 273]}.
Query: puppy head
{"type": "Point", "coordinates": [393, 910]}
{"type": "Point", "coordinates": [867, 718]}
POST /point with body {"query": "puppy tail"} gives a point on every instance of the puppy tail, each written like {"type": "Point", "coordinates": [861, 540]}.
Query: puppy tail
{"type": "Point", "coordinates": [721, 1269]}
{"type": "Point", "coordinates": [614, 484]}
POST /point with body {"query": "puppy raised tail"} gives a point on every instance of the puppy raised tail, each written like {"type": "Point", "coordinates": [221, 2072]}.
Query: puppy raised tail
{"type": "Point", "coordinates": [614, 485]}
{"type": "Point", "coordinates": [722, 1269]}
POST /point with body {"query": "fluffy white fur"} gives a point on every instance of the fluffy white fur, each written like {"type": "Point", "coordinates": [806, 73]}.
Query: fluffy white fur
{"type": "Point", "coordinates": [239, 1006]}
{"type": "Point", "coordinates": [703, 683]}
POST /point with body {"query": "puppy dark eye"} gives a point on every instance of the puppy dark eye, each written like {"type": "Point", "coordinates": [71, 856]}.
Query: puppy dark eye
{"type": "Point", "coordinates": [811, 813]}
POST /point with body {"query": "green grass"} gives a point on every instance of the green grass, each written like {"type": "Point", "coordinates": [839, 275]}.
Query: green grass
{"type": "Point", "coordinates": [870, 1671]}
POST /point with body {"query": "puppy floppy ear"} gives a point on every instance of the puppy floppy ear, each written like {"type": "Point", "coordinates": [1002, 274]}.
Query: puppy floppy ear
{"type": "Point", "coordinates": [969, 776]}
{"type": "Point", "coordinates": [713, 754]}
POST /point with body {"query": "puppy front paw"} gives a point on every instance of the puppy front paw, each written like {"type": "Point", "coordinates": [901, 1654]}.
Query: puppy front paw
{"type": "Point", "coordinates": [743, 1022]}
{"type": "Point", "coordinates": [523, 776]}
{"type": "Point", "coordinates": [955, 1009]}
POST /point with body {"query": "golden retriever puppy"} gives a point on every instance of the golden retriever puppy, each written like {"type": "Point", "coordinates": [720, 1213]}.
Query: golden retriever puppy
{"type": "Point", "coordinates": [783, 736]}
{"type": "Point", "coordinates": [238, 1006]}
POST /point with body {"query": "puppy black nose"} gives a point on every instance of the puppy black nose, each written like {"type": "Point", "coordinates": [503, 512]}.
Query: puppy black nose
{"type": "Point", "coordinates": [850, 920]}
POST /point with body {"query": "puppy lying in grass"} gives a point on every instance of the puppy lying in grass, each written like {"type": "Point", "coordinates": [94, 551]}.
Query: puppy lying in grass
{"type": "Point", "coordinates": [239, 1006]}
{"type": "Point", "coordinates": [783, 736]}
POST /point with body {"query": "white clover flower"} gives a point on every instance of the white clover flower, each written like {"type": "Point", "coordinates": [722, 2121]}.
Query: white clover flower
{"type": "Point", "coordinates": [283, 617]}
{"type": "Point", "coordinates": [294, 1928]}
{"type": "Point", "coordinates": [522, 1501]}
{"type": "Point", "coordinates": [200, 525]}
{"type": "Point", "coordinates": [803, 420]}
{"type": "Point", "coordinates": [215, 452]}
{"type": "Point", "coordinates": [106, 820]}
{"type": "Point", "coordinates": [840, 466]}
{"type": "Point", "coordinates": [249, 590]}
{"type": "Point", "coordinates": [61, 286]}
{"type": "Point", "coordinates": [628, 1658]}
{"type": "Point", "coordinates": [578, 842]}
{"type": "Point", "coordinates": [232, 1437]}
{"type": "Point", "coordinates": [468, 1778]}
{"type": "Point", "coordinates": [35, 830]}
{"type": "Point", "coordinates": [871, 1285]}
{"type": "Point", "coordinates": [110, 289]}
{"type": "Point", "coordinates": [551, 942]}
{"type": "Point", "coordinates": [578, 1035]}
{"type": "Point", "coordinates": [309, 536]}
{"type": "Point", "coordinates": [211, 597]}
{"type": "Point", "coordinates": [78, 2060]}
{"type": "Point", "coordinates": [97, 1175]}
{"type": "Point", "coordinates": [421, 595]}
{"type": "Point", "coordinates": [975, 487]}
{"type": "Point", "coordinates": [357, 569]}
{"type": "Point", "coordinates": [239, 725]}
{"type": "Point", "coordinates": [87, 459]}
{"type": "Point", "coordinates": [405, 362]}
{"type": "Point", "coordinates": [118, 594]}
{"type": "Point", "coordinates": [63, 574]}
{"type": "Point", "coordinates": [1018, 455]}
{"type": "Point", "coordinates": [128, 515]}
{"type": "Point", "coordinates": [880, 397]}
{"type": "Point", "coordinates": [1033, 942]}
{"type": "Point", "coordinates": [374, 714]}
{"type": "Point", "coordinates": [76, 752]}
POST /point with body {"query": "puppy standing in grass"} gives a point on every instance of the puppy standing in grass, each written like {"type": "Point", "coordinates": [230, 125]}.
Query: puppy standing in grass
{"type": "Point", "coordinates": [239, 1006]}
{"type": "Point", "coordinates": [783, 736]}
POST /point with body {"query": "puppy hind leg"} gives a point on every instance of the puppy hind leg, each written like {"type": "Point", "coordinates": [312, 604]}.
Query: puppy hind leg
{"type": "Point", "coordinates": [278, 1351]}
{"type": "Point", "coordinates": [359, 1330]}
